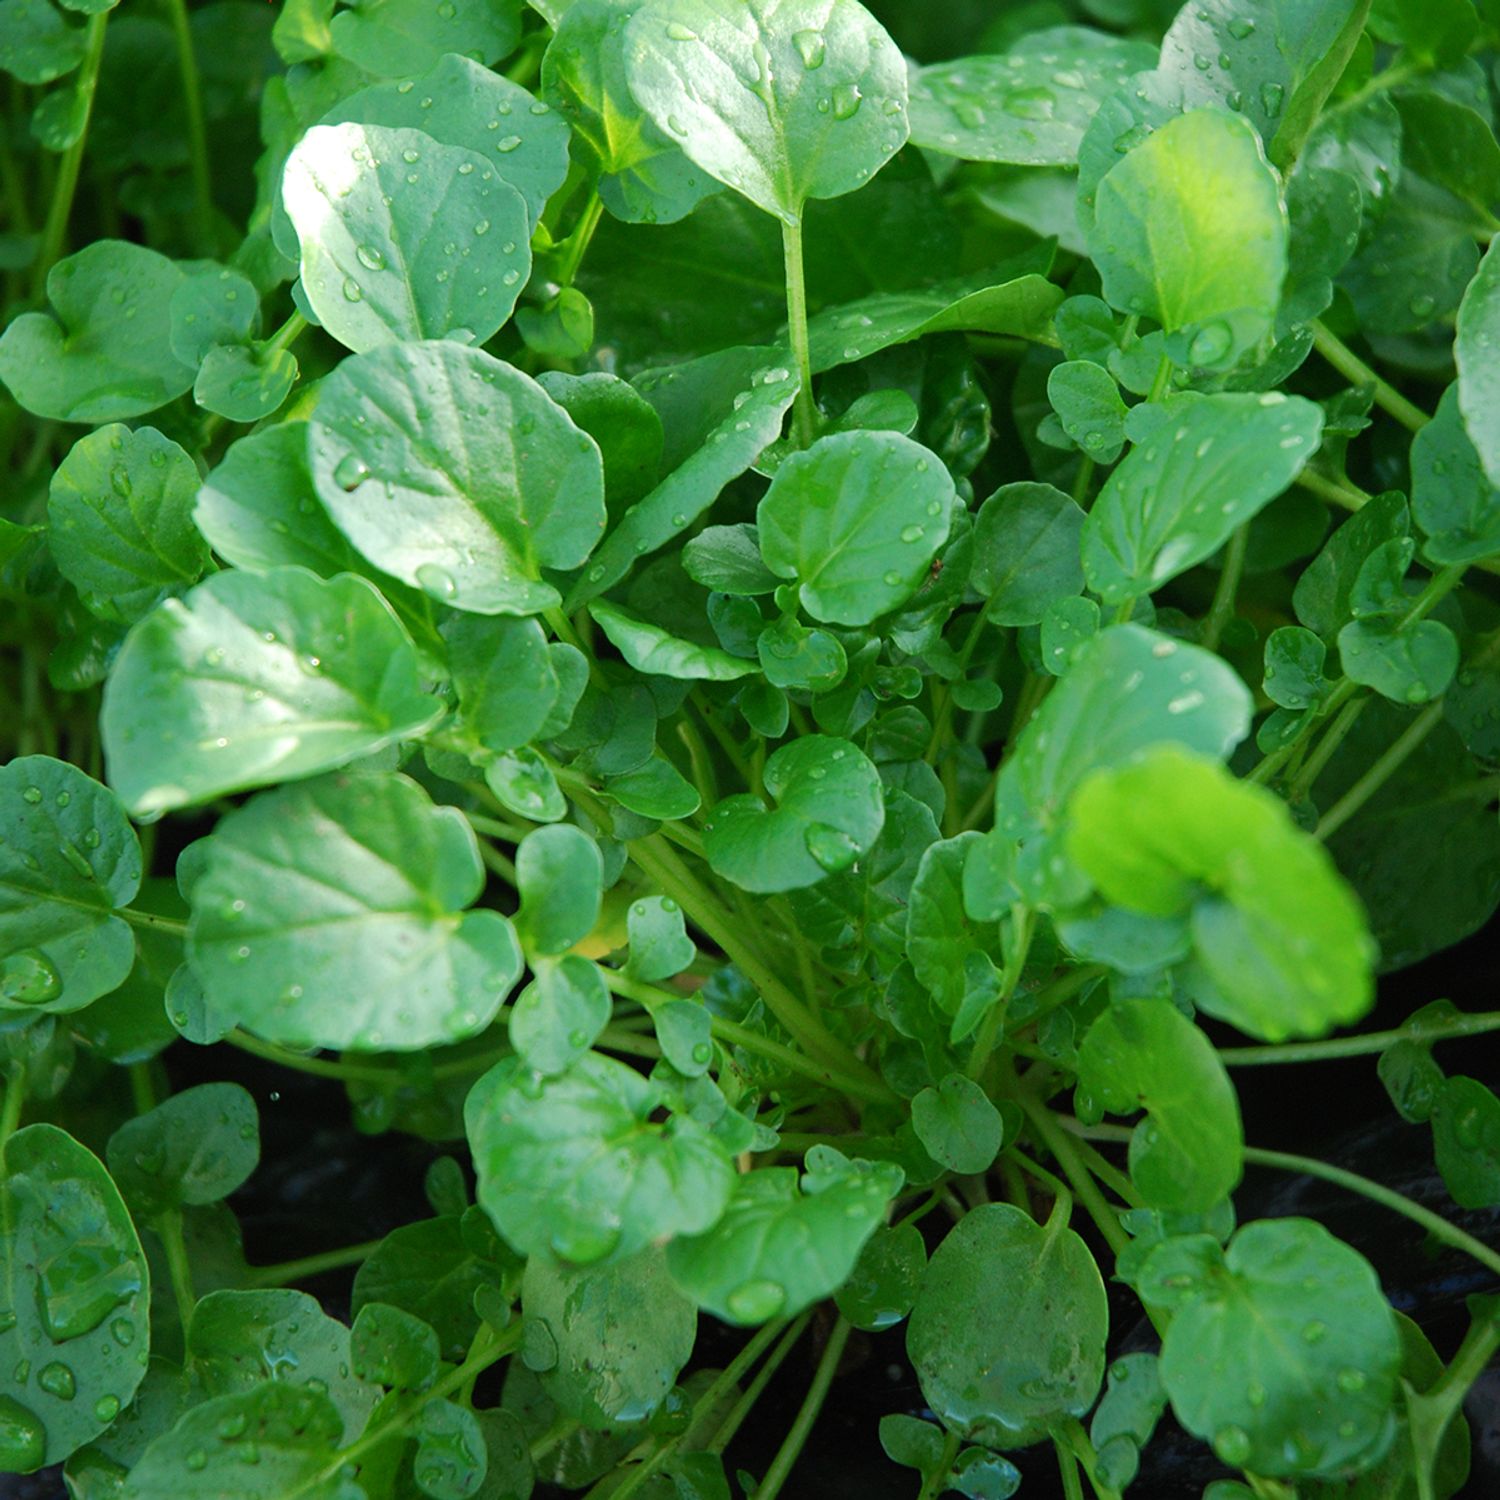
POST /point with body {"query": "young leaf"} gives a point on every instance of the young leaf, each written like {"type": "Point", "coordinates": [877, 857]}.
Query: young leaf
{"type": "Point", "coordinates": [1213, 464]}
{"type": "Point", "coordinates": [778, 1249]}
{"type": "Point", "coordinates": [1007, 1335]}
{"type": "Point", "coordinates": [659, 944]}
{"type": "Point", "coordinates": [572, 1167]}
{"type": "Point", "coordinates": [395, 228]}
{"type": "Point", "coordinates": [77, 1295]}
{"type": "Point", "coordinates": [828, 812]}
{"type": "Point", "coordinates": [332, 914]}
{"type": "Point", "coordinates": [650, 649]}
{"type": "Point", "coordinates": [1087, 402]}
{"type": "Point", "coordinates": [69, 860]}
{"type": "Point", "coordinates": [1145, 1054]}
{"type": "Point", "coordinates": [856, 520]}
{"type": "Point", "coordinates": [1029, 105]}
{"type": "Point", "coordinates": [120, 520]}
{"type": "Point", "coordinates": [1214, 278]}
{"type": "Point", "coordinates": [1466, 1142]}
{"type": "Point", "coordinates": [616, 1336]}
{"type": "Point", "coordinates": [560, 1014]}
{"type": "Point", "coordinates": [1405, 663]}
{"type": "Point", "coordinates": [250, 679]}
{"type": "Point", "coordinates": [781, 101]}
{"type": "Point", "coordinates": [1309, 1388]}
{"type": "Point", "coordinates": [886, 1278]}
{"type": "Point", "coordinates": [957, 1124]}
{"type": "Point", "coordinates": [1026, 539]}
{"type": "Point", "coordinates": [560, 878]}
{"type": "Point", "coordinates": [1473, 351]}
{"type": "Point", "coordinates": [1280, 935]}
{"type": "Point", "coordinates": [483, 479]}
{"type": "Point", "coordinates": [392, 1348]}
{"type": "Point", "coordinates": [245, 382]}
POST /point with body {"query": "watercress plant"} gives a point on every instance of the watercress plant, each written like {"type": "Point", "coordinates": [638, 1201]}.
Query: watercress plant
{"type": "Point", "coordinates": [790, 642]}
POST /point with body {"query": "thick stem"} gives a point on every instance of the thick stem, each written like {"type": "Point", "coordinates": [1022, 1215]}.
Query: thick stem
{"type": "Point", "coordinates": [192, 100]}
{"type": "Point", "coordinates": [15, 1101]}
{"type": "Point", "coordinates": [579, 240]}
{"type": "Point", "coordinates": [55, 230]}
{"type": "Point", "coordinates": [288, 1271]}
{"type": "Point", "coordinates": [1357, 372]}
{"type": "Point", "coordinates": [1222, 609]}
{"type": "Point", "coordinates": [807, 1415]}
{"type": "Point", "coordinates": [804, 412]}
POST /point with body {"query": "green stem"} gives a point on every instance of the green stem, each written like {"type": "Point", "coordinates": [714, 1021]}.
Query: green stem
{"type": "Point", "coordinates": [15, 1102]}
{"type": "Point", "coordinates": [1333, 737]}
{"type": "Point", "coordinates": [55, 230]}
{"type": "Point", "coordinates": [756, 1389]}
{"type": "Point", "coordinates": [1077, 1439]}
{"type": "Point", "coordinates": [1357, 372]}
{"type": "Point", "coordinates": [1056, 1140]}
{"type": "Point", "coordinates": [1222, 608]}
{"type": "Point", "coordinates": [316, 1067]}
{"type": "Point", "coordinates": [174, 925]}
{"type": "Point", "coordinates": [1083, 481]}
{"type": "Point", "coordinates": [1396, 755]}
{"type": "Point", "coordinates": [1162, 382]}
{"type": "Point", "coordinates": [288, 1271]}
{"type": "Point", "coordinates": [578, 242]}
{"type": "Point", "coordinates": [168, 1225]}
{"type": "Point", "coordinates": [1439, 1405]}
{"type": "Point", "coordinates": [936, 1482]}
{"type": "Point", "coordinates": [288, 334]}
{"type": "Point", "coordinates": [1359, 1046]}
{"type": "Point", "coordinates": [192, 100]}
{"type": "Point", "coordinates": [805, 413]}
{"type": "Point", "coordinates": [1068, 1467]}
{"type": "Point", "coordinates": [1015, 961]}
{"type": "Point", "coordinates": [807, 1415]}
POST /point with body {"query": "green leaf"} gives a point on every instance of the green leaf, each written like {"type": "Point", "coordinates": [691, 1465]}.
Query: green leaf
{"type": "Point", "coordinates": [291, 1432]}
{"type": "Point", "coordinates": [195, 1147]}
{"type": "Point", "coordinates": [76, 1291]}
{"type": "Point", "coordinates": [1087, 402]}
{"type": "Point", "coordinates": [1407, 663]}
{"type": "Point", "coordinates": [1452, 498]}
{"type": "Point", "coordinates": [120, 520]}
{"type": "Point", "coordinates": [1007, 1335]}
{"type": "Point", "coordinates": [623, 423]}
{"type": "Point", "coordinates": [616, 1336]}
{"type": "Point", "coordinates": [793, 656]}
{"type": "Point", "coordinates": [1144, 1054]}
{"type": "Point", "coordinates": [1294, 668]}
{"type": "Point", "coordinates": [209, 310]}
{"type": "Point", "coordinates": [459, 102]}
{"type": "Point", "coordinates": [504, 675]}
{"type": "Point", "coordinates": [656, 789]}
{"type": "Point", "coordinates": [781, 101]}
{"type": "Point", "coordinates": [36, 43]}
{"type": "Point", "coordinates": [1473, 351]}
{"type": "Point", "coordinates": [107, 354]}
{"type": "Point", "coordinates": [650, 649]}
{"type": "Point", "coordinates": [951, 953]}
{"type": "Point", "coordinates": [957, 1124]}
{"type": "Point", "coordinates": [393, 1348]}
{"type": "Point", "coordinates": [1190, 229]}
{"type": "Point", "coordinates": [466, 512]}
{"type": "Point", "coordinates": [1026, 539]}
{"type": "Point", "coordinates": [856, 520]}
{"type": "Point", "coordinates": [828, 812]}
{"type": "Point", "coordinates": [68, 861]}
{"type": "Point", "coordinates": [778, 1249]}
{"type": "Point", "coordinates": [252, 679]}
{"type": "Point", "coordinates": [886, 1278]}
{"type": "Point", "coordinates": [525, 784]}
{"type": "Point", "coordinates": [643, 177]}
{"type": "Point", "coordinates": [332, 914]}
{"type": "Point", "coordinates": [659, 944]}
{"type": "Point", "coordinates": [239, 1340]}
{"type": "Point", "coordinates": [1282, 1351]}
{"type": "Point", "coordinates": [245, 383]}
{"type": "Point", "coordinates": [1323, 595]}
{"type": "Point", "coordinates": [1212, 464]}
{"type": "Point", "coordinates": [1029, 105]}
{"type": "Point", "coordinates": [1277, 931]}
{"type": "Point", "coordinates": [395, 233]}
{"type": "Point", "coordinates": [734, 437]}
{"type": "Point", "coordinates": [559, 1015]}
{"type": "Point", "coordinates": [396, 38]}
{"type": "Point", "coordinates": [1466, 1142]}
{"type": "Point", "coordinates": [573, 1167]}
{"type": "Point", "coordinates": [1126, 1417]}
{"type": "Point", "coordinates": [559, 875]}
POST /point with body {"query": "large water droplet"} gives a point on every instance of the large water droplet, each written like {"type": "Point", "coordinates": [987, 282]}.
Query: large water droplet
{"type": "Point", "coordinates": [1210, 344]}
{"type": "Point", "coordinates": [57, 1380]}
{"type": "Point", "coordinates": [811, 48]}
{"type": "Point", "coordinates": [846, 101]}
{"type": "Point", "coordinates": [371, 257]}
{"type": "Point", "coordinates": [350, 472]}
{"type": "Point", "coordinates": [437, 581]}
{"type": "Point", "coordinates": [29, 978]}
{"type": "Point", "coordinates": [1232, 1444]}
{"type": "Point", "coordinates": [81, 1285]}
{"type": "Point", "coordinates": [755, 1301]}
{"type": "Point", "coordinates": [23, 1439]}
{"type": "Point", "coordinates": [831, 847]}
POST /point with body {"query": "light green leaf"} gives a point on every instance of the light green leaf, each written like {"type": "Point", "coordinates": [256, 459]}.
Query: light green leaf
{"type": "Point", "coordinates": [1088, 404]}
{"type": "Point", "coordinates": [195, 1147]}
{"type": "Point", "coordinates": [76, 1290]}
{"type": "Point", "coordinates": [1029, 105]}
{"type": "Point", "coordinates": [505, 679]}
{"type": "Point", "coordinates": [1026, 539]}
{"type": "Point", "coordinates": [655, 789]}
{"type": "Point", "coordinates": [250, 679]}
{"type": "Point", "coordinates": [1212, 464]}
{"type": "Point", "coordinates": [559, 1015]}
{"type": "Point", "coordinates": [332, 914]}
{"type": "Point", "coordinates": [396, 38]}
{"type": "Point", "coordinates": [643, 177]}
{"type": "Point", "coordinates": [856, 520]}
{"type": "Point", "coordinates": [778, 1250]}
{"type": "Point", "coordinates": [404, 237]}
{"type": "Point", "coordinates": [68, 860]}
{"type": "Point", "coordinates": [560, 876]}
{"type": "Point", "coordinates": [1008, 1332]}
{"type": "Point", "coordinates": [1452, 498]}
{"type": "Point", "coordinates": [524, 782]}
{"type": "Point", "coordinates": [120, 518]}
{"type": "Point", "coordinates": [1474, 351]}
{"type": "Point", "coordinates": [659, 944]}
{"type": "Point", "coordinates": [456, 473]}
{"type": "Point", "coordinates": [617, 1335]}
{"type": "Point", "coordinates": [783, 100]}
{"type": "Point", "coordinates": [957, 1125]}
{"type": "Point", "coordinates": [1188, 1154]}
{"type": "Point", "coordinates": [829, 811]}
{"type": "Point", "coordinates": [217, 307]}
{"type": "Point", "coordinates": [650, 649]}
{"type": "Point", "coordinates": [107, 354]}
{"type": "Point", "coordinates": [245, 382]}
{"type": "Point", "coordinates": [1282, 1351]}
{"type": "Point", "coordinates": [459, 102]}
{"type": "Point", "coordinates": [1190, 229]}
{"type": "Point", "coordinates": [1277, 931]}
{"type": "Point", "coordinates": [573, 1167]}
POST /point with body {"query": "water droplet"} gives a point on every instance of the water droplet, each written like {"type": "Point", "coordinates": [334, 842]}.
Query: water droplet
{"type": "Point", "coordinates": [846, 101]}
{"type": "Point", "coordinates": [122, 1331]}
{"type": "Point", "coordinates": [1037, 103]}
{"type": "Point", "coordinates": [1271, 95]}
{"type": "Point", "coordinates": [680, 33]}
{"type": "Point", "coordinates": [1185, 703]}
{"type": "Point", "coordinates": [57, 1380]}
{"type": "Point", "coordinates": [1422, 305]}
{"type": "Point", "coordinates": [350, 472]}
{"type": "Point", "coordinates": [703, 1053]}
{"type": "Point", "coordinates": [370, 257]}
{"type": "Point", "coordinates": [832, 848]}
{"type": "Point", "coordinates": [1314, 1332]}
{"type": "Point", "coordinates": [437, 581]}
{"type": "Point", "coordinates": [912, 533]}
{"type": "Point", "coordinates": [107, 1408]}
{"type": "Point", "coordinates": [1210, 344]}
{"type": "Point", "coordinates": [1351, 1380]}
{"type": "Point", "coordinates": [1240, 27]}
{"type": "Point", "coordinates": [353, 291]}
{"type": "Point", "coordinates": [756, 1301]}
{"type": "Point", "coordinates": [196, 1461]}
{"type": "Point", "coordinates": [1232, 1444]}
{"type": "Point", "coordinates": [23, 1439]}
{"type": "Point", "coordinates": [810, 48]}
{"type": "Point", "coordinates": [28, 977]}
{"type": "Point", "coordinates": [32, 794]}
